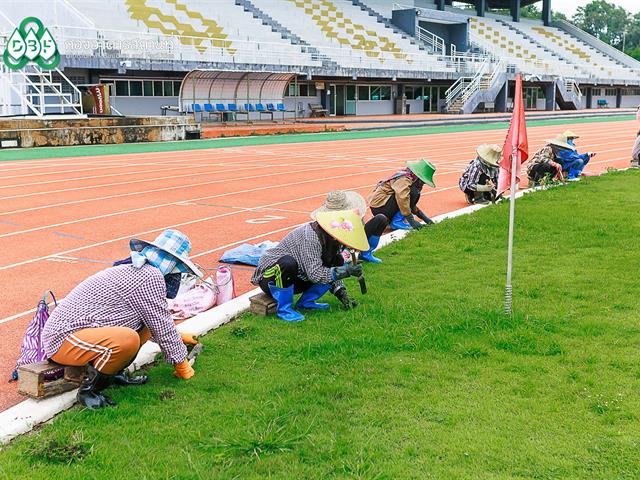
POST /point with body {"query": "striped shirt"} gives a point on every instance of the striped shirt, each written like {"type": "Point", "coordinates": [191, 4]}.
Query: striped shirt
{"type": "Point", "coordinates": [471, 177]}
{"type": "Point", "coordinates": [121, 296]}
{"type": "Point", "coordinates": [304, 246]}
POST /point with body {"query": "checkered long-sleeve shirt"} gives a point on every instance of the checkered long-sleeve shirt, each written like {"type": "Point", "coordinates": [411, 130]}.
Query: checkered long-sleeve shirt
{"type": "Point", "coordinates": [304, 246]}
{"type": "Point", "coordinates": [121, 296]}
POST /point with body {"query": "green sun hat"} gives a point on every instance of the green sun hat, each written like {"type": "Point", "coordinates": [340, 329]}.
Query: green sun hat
{"type": "Point", "coordinates": [346, 227]}
{"type": "Point", "coordinates": [424, 170]}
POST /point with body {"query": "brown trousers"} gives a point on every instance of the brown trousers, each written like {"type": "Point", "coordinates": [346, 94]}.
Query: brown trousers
{"type": "Point", "coordinates": [109, 349]}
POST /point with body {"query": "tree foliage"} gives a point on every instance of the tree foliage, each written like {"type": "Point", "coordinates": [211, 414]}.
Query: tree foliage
{"type": "Point", "coordinates": [603, 20]}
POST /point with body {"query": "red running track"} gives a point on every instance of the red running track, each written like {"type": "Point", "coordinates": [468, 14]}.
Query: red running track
{"type": "Point", "coordinates": [62, 220]}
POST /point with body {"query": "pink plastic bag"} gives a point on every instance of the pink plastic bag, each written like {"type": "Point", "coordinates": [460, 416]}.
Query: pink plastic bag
{"type": "Point", "coordinates": [199, 299]}
{"type": "Point", "coordinates": [224, 282]}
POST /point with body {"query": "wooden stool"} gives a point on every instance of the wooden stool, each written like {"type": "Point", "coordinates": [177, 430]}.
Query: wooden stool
{"type": "Point", "coordinates": [32, 381]}
{"type": "Point", "coordinates": [262, 304]}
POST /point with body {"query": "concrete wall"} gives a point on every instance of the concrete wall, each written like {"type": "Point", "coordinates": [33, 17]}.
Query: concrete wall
{"type": "Point", "coordinates": [450, 33]}
{"type": "Point", "coordinates": [143, 105]}
{"type": "Point", "coordinates": [377, 107]}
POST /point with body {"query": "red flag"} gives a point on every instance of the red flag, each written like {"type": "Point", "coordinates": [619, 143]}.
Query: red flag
{"type": "Point", "coordinates": [516, 141]}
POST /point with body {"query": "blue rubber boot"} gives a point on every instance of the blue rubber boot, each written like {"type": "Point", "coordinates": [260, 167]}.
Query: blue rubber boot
{"type": "Point", "coordinates": [308, 298]}
{"type": "Point", "coordinates": [399, 223]}
{"type": "Point", "coordinates": [368, 255]}
{"type": "Point", "coordinates": [284, 298]}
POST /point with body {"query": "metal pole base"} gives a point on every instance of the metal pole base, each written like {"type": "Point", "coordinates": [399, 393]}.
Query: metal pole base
{"type": "Point", "coordinates": [507, 300]}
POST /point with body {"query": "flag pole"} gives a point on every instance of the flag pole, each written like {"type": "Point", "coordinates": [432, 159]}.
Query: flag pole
{"type": "Point", "coordinates": [512, 213]}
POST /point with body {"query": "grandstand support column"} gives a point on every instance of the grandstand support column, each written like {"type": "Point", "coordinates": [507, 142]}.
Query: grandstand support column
{"type": "Point", "coordinates": [546, 12]}
{"type": "Point", "coordinates": [618, 97]}
{"type": "Point", "coordinates": [550, 96]}
{"type": "Point", "coordinates": [515, 10]}
{"type": "Point", "coordinates": [440, 4]}
{"type": "Point", "coordinates": [501, 99]}
{"type": "Point", "coordinates": [589, 98]}
{"type": "Point", "coordinates": [481, 7]}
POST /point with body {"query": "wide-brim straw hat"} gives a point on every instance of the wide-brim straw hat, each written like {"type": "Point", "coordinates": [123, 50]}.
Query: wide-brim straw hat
{"type": "Point", "coordinates": [561, 141]}
{"type": "Point", "coordinates": [173, 242]}
{"type": "Point", "coordinates": [569, 134]}
{"type": "Point", "coordinates": [346, 227]}
{"type": "Point", "coordinates": [490, 154]}
{"type": "Point", "coordinates": [424, 170]}
{"type": "Point", "coordinates": [342, 200]}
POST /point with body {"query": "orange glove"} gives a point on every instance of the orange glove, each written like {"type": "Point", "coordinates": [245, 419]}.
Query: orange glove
{"type": "Point", "coordinates": [184, 370]}
{"type": "Point", "coordinates": [188, 338]}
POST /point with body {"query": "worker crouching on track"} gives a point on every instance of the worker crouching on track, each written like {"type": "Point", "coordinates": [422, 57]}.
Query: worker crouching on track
{"type": "Point", "coordinates": [105, 320]}
{"type": "Point", "coordinates": [479, 181]}
{"type": "Point", "coordinates": [397, 197]}
{"type": "Point", "coordinates": [572, 162]}
{"type": "Point", "coordinates": [309, 261]}
{"type": "Point", "coordinates": [373, 229]}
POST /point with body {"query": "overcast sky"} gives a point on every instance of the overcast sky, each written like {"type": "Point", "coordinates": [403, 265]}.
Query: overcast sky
{"type": "Point", "coordinates": [568, 7]}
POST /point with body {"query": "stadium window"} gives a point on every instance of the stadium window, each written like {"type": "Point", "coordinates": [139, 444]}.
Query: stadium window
{"type": "Point", "coordinates": [176, 88]}
{"type": "Point", "coordinates": [363, 92]}
{"type": "Point", "coordinates": [147, 87]}
{"type": "Point", "coordinates": [312, 90]}
{"type": "Point", "coordinates": [610, 92]}
{"type": "Point", "coordinates": [385, 92]}
{"type": "Point", "coordinates": [135, 88]}
{"type": "Point", "coordinates": [304, 90]}
{"type": "Point", "coordinates": [157, 89]}
{"type": "Point", "coordinates": [351, 92]}
{"type": "Point", "coordinates": [596, 92]}
{"type": "Point", "coordinates": [376, 93]}
{"type": "Point", "coordinates": [291, 92]}
{"type": "Point", "coordinates": [168, 89]}
{"type": "Point", "coordinates": [122, 88]}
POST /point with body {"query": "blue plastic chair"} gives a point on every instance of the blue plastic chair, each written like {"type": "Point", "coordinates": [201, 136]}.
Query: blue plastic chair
{"type": "Point", "coordinates": [263, 111]}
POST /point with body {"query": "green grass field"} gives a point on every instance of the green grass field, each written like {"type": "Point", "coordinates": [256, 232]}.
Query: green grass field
{"type": "Point", "coordinates": [425, 379]}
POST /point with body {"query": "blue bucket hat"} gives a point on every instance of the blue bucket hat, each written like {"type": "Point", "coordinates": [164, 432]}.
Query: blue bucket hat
{"type": "Point", "coordinates": [169, 252]}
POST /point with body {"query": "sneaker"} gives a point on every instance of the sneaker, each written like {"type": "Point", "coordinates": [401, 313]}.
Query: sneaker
{"type": "Point", "coordinates": [577, 179]}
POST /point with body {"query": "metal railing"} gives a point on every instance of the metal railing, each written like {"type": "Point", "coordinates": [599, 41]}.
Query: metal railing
{"type": "Point", "coordinates": [432, 40]}
{"type": "Point", "coordinates": [466, 87]}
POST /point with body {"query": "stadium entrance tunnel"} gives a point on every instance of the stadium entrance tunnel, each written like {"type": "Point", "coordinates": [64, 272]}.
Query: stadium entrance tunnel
{"type": "Point", "coordinates": [228, 92]}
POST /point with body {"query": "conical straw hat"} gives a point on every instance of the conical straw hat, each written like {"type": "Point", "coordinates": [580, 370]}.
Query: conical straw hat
{"type": "Point", "coordinates": [424, 170]}
{"type": "Point", "coordinates": [346, 227]}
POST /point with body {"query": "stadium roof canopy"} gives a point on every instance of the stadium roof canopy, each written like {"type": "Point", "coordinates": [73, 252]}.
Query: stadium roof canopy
{"type": "Point", "coordinates": [500, 3]}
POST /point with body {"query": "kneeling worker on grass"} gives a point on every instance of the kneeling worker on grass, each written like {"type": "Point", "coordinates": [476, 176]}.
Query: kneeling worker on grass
{"type": "Point", "coordinates": [374, 228]}
{"type": "Point", "coordinates": [309, 261]}
{"type": "Point", "coordinates": [105, 320]}
{"type": "Point", "coordinates": [479, 181]}
{"type": "Point", "coordinates": [397, 196]}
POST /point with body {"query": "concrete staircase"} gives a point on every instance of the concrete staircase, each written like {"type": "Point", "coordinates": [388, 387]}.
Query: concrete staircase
{"type": "Point", "coordinates": [285, 33]}
{"type": "Point", "coordinates": [467, 93]}
{"type": "Point", "coordinates": [568, 94]}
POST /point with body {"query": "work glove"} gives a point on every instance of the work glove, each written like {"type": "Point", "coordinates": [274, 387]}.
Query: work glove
{"type": "Point", "coordinates": [188, 338]}
{"type": "Point", "coordinates": [341, 294]}
{"type": "Point", "coordinates": [422, 216]}
{"type": "Point", "coordinates": [484, 188]}
{"type": "Point", "coordinates": [346, 270]}
{"type": "Point", "coordinates": [412, 221]}
{"type": "Point", "coordinates": [183, 370]}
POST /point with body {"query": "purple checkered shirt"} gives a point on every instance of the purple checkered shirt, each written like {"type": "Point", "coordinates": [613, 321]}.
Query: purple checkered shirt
{"type": "Point", "coordinates": [121, 296]}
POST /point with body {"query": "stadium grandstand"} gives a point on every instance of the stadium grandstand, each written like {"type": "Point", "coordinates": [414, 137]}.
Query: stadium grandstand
{"type": "Point", "coordinates": [301, 57]}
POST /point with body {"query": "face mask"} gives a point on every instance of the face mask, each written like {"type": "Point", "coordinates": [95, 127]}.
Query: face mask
{"type": "Point", "coordinates": [172, 280]}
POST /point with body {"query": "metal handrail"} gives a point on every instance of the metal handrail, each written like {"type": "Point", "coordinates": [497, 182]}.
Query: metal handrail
{"type": "Point", "coordinates": [433, 40]}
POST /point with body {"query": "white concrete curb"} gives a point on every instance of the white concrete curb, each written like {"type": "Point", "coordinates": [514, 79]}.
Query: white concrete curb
{"type": "Point", "coordinates": [23, 417]}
